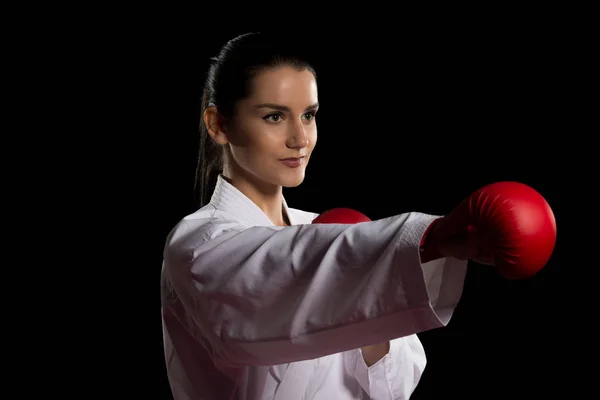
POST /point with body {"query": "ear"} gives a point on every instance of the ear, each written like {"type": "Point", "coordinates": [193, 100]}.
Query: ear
{"type": "Point", "coordinates": [215, 125]}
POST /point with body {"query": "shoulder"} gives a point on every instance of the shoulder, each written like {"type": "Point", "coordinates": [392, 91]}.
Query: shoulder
{"type": "Point", "coordinates": [197, 228]}
{"type": "Point", "coordinates": [301, 216]}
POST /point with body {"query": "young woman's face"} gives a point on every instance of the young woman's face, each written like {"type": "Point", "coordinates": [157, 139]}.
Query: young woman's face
{"type": "Point", "coordinates": [274, 131]}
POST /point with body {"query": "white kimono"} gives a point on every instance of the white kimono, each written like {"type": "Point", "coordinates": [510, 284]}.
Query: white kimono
{"type": "Point", "coordinates": [253, 311]}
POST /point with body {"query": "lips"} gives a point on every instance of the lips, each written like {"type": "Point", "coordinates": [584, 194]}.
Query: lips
{"type": "Point", "coordinates": [293, 162]}
{"type": "Point", "coordinates": [293, 158]}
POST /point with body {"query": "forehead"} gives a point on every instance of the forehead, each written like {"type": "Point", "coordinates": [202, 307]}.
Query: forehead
{"type": "Point", "coordinates": [285, 86]}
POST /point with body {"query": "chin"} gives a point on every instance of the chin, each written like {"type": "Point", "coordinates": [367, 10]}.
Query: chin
{"type": "Point", "coordinates": [292, 181]}
{"type": "Point", "coordinates": [293, 185]}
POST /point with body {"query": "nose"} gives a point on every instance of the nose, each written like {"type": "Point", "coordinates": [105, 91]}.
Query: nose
{"type": "Point", "coordinates": [297, 138]}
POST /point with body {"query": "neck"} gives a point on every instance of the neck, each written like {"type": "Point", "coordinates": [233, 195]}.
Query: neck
{"type": "Point", "coordinates": [269, 198]}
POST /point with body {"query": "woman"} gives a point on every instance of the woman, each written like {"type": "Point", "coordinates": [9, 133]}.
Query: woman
{"type": "Point", "coordinates": [258, 302]}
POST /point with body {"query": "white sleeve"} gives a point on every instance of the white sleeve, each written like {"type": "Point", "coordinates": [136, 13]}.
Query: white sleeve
{"type": "Point", "coordinates": [275, 295]}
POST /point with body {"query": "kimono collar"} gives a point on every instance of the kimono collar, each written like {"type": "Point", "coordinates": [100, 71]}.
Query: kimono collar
{"type": "Point", "coordinates": [229, 199]}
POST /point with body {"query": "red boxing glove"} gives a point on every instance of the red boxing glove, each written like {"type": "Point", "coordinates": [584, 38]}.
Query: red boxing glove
{"type": "Point", "coordinates": [507, 223]}
{"type": "Point", "coordinates": [340, 216]}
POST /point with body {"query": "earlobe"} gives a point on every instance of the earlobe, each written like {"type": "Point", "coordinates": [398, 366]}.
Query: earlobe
{"type": "Point", "coordinates": [214, 125]}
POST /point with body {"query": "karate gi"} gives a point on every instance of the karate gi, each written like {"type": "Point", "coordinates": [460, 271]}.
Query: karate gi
{"type": "Point", "coordinates": [253, 311]}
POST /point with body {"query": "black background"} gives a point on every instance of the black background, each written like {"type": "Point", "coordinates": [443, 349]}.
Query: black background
{"type": "Point", "coordinates": [414, 124]}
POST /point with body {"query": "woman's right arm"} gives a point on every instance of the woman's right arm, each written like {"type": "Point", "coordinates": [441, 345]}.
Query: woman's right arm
{"type": "Point", "coordinates": [274, 295]}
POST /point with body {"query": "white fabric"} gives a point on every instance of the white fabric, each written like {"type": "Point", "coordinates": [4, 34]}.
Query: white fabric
{"type": "Point", "coordinates": [251, 310]}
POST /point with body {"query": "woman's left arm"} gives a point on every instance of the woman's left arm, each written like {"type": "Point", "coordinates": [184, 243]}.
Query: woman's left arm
{"type": "Point", "coordinates": [390, 370]}
{"type": "Point", "coordinates": [372, 354]}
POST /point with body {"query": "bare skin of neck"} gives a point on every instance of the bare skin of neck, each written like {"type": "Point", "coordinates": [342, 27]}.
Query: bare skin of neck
{"type": "Point", "coordinates": [268, 197]}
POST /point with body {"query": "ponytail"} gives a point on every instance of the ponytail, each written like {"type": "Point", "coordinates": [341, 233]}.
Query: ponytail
{"type": "Point", "coordinates": [210, 161]}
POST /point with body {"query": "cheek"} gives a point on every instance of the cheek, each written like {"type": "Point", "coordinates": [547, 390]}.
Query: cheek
{"type": "Point", "coordinates": [262, 145]}
{"type": "Point", "coordinates": [312, 137]}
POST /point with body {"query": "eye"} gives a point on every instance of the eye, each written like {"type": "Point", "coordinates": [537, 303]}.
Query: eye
{"type": "Point", "coordinates": [273, 118]}
{"type": "Point", "coordinates": [310, 115]}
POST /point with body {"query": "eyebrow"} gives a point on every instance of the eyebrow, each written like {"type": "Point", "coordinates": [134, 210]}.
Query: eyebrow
{"type": "Point", "coordinates": [283, 108]}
